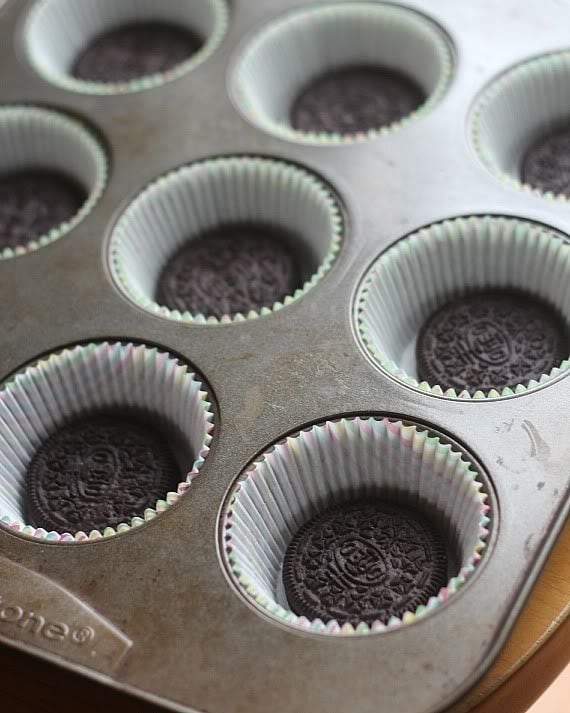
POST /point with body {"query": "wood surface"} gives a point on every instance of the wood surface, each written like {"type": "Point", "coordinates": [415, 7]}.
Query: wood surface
{"type": "Point", "coordinates": [538, 648]}
{"type": "Point", "coordinates": [536, 652]}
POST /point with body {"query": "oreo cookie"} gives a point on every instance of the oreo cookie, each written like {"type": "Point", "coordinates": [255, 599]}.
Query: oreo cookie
{"type": "Point", "coordinates": [354, 100]}
{"type": "Point", "coordinates": [546, 164]}
{"type": "Point", "coordinates": [491, 339]}
{"type": "Point", "coordinates": [135, 50]}
{"type": "Point", "coordinates": [98, 472]}
{"type": "Point", "coordinates": [34, 202]}
{"type": "Point", "coordinates": [230, 270]}
{"type": "Point", "coordinates": [364, 561]}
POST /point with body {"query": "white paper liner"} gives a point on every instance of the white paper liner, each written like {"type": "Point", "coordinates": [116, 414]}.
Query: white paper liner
{"type": "Point", "coordinates": [34, 138]}
{"type": "Point", "coordinates": [338, 461]}
{"type": "Point", "coordinates": [419, 274]}
{"type": "Point", "coordinates": [518, 108]}
{"type": "Point", "coordinates": [83, 379]}
{"type": "Point", "coordinates": [56, 31]}
{"type": "Point", "coordinates": [306, 44]}
{"type": "Point", "coordinates": [195, 199]}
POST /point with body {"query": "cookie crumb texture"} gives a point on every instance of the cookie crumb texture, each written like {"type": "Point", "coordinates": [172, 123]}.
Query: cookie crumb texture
{"type": "Point", "coordinates": [231, 270]}
{"type": "Point", "coordinates": [364, 562]}
{"type": "Point", "coordinates": [34, 202]}
{"type": "Point", "coordinates": [355, 100]}
{"type": "Point", "coordinates": [491, 340]}
{"type": "Point", "coordinates": [546, 164]}
{"type": "Point", "coordinates": [135, 50]}
{"type": "Point", "coordinates": [98, 472]}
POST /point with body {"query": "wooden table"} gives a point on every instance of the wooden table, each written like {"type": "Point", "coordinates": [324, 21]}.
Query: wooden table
{"type": "Point", "coordinates": [539, 646]}
{"type": "Point", "coordinates": [537, 651]}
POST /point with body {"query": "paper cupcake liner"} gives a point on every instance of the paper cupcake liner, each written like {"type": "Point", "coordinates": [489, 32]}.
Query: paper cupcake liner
{"type": "Point", "coordinates": [518, 108]}
{"type": "Point", "coordinates": [192, 200]}
{"type": "Point", "coordinates": [31, 137]}
{"type": "Point", "coordinates": [309, 43]}
{"type": "Point", "coordinates": [338, 461]}
{"type": "Point", "coordinates": [84, 379]}
{"type": "Point", "coordinates": [57, 30]}
{"type": "Point", "coordinates": [419, 274]}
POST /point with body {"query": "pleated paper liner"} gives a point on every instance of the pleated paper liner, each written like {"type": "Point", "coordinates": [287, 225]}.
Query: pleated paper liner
{"type": "Point", "coordinates": [196, 199]}
{"type": "Point", "coordinates": [338, 461]}
{"type": "Point", "coordinates": [424, 271]}
{"type": "Point", "coordinates": [279, 61]}
{"type": "Point", "coordinates": [522, 105]}
{"type": "Point", "coordinates": [42, 139]}
{"type": "Point", "coordinates": [56, 31]}
{"type": "Point", "coordinates": [111, 375]}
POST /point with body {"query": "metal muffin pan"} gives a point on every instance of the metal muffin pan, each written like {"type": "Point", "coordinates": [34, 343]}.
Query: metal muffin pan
{"type": "Point", "coordinates": [153, 611]}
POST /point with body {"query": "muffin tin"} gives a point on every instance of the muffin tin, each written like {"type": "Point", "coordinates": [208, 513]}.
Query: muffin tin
{"type": "Point", "coordinates": [154, 607]}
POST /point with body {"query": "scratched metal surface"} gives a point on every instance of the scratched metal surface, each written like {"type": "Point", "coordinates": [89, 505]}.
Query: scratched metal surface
{"type": "Point", "coordinates": [171, 626]}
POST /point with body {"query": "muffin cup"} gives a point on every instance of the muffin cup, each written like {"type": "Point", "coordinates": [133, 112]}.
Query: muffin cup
{"type": "Point", "coordinates": [419, 274]}
{"type": "Point", "coordinates": [85, 379]}
{"type": "Point", "coordinates": [195, 199]}
{"type": "Point", "coordinates": [57, 30]}
{"type": "Point", "coordinates": [331, 463]}
{"type": "Point", "coordinates": [311, 42]}
{"type": "Point", "coordinates": [519, 107]}
{"type": "Point", "coordinates": [34, 138]}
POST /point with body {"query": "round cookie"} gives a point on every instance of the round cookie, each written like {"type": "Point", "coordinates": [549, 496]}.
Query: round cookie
{"type": "Point", "coordinates": [230, 270]}
{"type": "Point", "coordinates": [355, 100]}
{"type": "Point", "coordinates": [34, 202]}
{"type": "Point", "coordinates": [364, 561]}
{"type": "Point", "coordinates": [491, 339]}
{"type": "Point", "coordinates": [546, 164]}
{"type": "Point", "coordinates": [135, 50]}
{"type": "Point", "coordinates": [98, 472]}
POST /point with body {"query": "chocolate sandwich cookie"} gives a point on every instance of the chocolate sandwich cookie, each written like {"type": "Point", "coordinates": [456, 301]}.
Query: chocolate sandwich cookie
{"type": "Point", "coordinates": [98, 472]}
{"type": "Point", "coordinates": [364, 561]}
{"type": "Point", "coordinates": [34, 202]}
{"type": "Point", "coordinates": [355, 99]}
{"type": "Point", "coordinates": [491, 339]}
{"type": "Point", "coordinates": [546, 164]}
{"type": "Point", "coordinates": [230, 270]}
{"type": "Point", "coordinates": [135, 50]}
